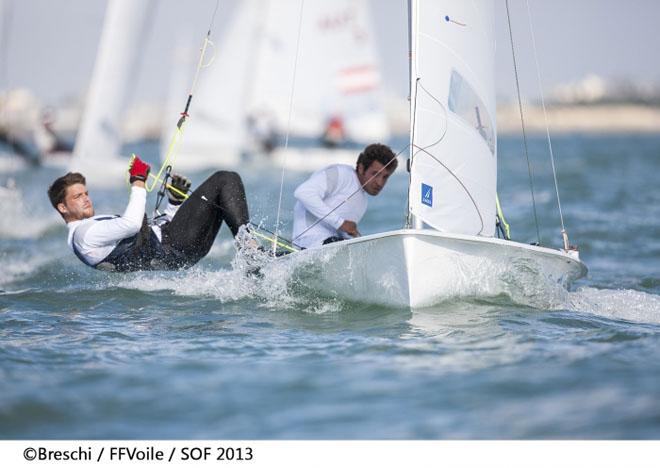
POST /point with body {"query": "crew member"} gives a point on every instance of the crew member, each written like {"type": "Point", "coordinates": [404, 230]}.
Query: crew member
{"type": "Point", "coordinates": [334, 134]}
{"type": "Point", "coordinates": [178, 239]}
{"type": "Point", "coordinates": [333, 200]}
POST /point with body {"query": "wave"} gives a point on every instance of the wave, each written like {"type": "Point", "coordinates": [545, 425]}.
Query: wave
{"type": "Point", "coordinates": [253, 275]}
{"type": "Point", "coordinates": [18, 221]}
{"type": "Point", "coordinates": [23, 265]}
{"type": "Point", "coordinates": [619, 304]}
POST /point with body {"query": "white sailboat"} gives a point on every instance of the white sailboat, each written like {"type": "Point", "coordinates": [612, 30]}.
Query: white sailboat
{"type": "Point", "coordinates": [98, 143]}
{"type": "Point", "coordinates": [336, 71]}
{"type": "Point", "coordinates": [447, 248]}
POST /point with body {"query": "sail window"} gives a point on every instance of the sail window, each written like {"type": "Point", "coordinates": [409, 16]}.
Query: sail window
{"type": "Point", "coordinates": [466, 103]}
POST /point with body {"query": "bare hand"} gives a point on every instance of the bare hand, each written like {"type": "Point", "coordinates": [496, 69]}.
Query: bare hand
{"type": "Point", "coordinates": [350, 228]}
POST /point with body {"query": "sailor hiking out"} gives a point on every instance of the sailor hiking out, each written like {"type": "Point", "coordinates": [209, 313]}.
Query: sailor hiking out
{"type": "Point", "coordinates": [179, 238]}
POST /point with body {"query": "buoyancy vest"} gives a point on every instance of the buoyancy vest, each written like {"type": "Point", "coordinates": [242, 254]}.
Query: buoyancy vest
{"type": "Point", "coordinates": [143, 251]}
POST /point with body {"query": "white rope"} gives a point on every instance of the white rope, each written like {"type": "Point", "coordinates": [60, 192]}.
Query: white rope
{"type": "Point", "coordinates": [545, 117]}
{"type": "Point", "coordinates": [288, 125]}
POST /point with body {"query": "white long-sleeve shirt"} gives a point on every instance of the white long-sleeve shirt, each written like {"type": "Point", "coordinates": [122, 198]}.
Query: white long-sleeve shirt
{"type": "Point", "coordinates": [319, 195]}
{"type": "Point", "coordinates": [97, 236]}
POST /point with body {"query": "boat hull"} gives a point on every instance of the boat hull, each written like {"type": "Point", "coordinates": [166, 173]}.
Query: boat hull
{"type": "Point", "coordinates": [421, 268]}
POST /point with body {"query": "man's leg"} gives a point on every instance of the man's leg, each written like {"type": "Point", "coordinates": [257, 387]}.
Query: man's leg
{"type": "Point", "coordinates": [196, 224]}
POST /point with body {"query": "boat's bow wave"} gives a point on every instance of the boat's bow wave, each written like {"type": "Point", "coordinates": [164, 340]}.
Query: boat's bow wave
{"type": "Point", "coordinates": [253, 276]}
{"type": "Point", "coordinates": [617, 304]}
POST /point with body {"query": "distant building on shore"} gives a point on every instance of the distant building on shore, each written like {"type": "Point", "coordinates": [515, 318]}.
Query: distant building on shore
{"type": "Point", "coordinates": [594, 90]}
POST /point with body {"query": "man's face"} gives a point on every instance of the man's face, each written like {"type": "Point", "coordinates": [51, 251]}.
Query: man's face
{"type": "Point", "coordinates": [375, 182]}
{"type": "Point", "coordinates": [77, 205]}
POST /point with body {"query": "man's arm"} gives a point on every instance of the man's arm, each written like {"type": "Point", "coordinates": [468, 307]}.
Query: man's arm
{"type": "Point", "coordinates": [311, 193]}
{"type": "Point", "coordinates": [113, 230]}
{"type": "Point", "coordinates": [350, 228]}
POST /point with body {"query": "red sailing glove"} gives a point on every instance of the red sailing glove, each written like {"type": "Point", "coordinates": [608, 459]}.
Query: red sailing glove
{"type": "Point", "coordinates": [138, 170]}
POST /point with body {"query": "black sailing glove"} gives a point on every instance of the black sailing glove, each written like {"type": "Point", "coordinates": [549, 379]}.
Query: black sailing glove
{"type": "Point", "coordinates": [177, 189]}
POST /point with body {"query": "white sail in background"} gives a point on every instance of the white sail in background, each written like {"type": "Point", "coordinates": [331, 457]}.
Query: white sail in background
{"type": "Point", "coordinates": [337, 74]}
{"type": "Point", "coordinates": [99, 135]}
{"type": "Point", "coordinates": [216, 128]}
{"type": "Point", "coordinates": [454, 148]}
{"type": "Point", "coordinates": [252, 75]}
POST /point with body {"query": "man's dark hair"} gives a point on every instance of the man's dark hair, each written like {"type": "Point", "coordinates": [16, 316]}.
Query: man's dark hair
{"type": "Point", "coordinates": [377, 152]}
{"type": "Point", "coordinates": [57, 191]}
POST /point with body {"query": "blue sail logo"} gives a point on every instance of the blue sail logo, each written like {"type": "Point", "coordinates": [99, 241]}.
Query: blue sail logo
{"type": "Point", "coordinates": [427, 195]}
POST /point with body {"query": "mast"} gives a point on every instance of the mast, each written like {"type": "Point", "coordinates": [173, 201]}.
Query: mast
{"type": "Point", "coordinates": [413, 221]}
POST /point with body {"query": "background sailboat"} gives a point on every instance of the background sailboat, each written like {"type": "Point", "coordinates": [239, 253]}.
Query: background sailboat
{"type": "Point", "coordinates": [17, 108]}
{"type": "Point", "coordinates": [246, 93]}
{"type": "Point", "coordinates": [98, 143]}
{"type": "Point", "coordinates": [447, 247]}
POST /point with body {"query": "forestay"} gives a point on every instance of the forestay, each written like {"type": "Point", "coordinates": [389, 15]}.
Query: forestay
{"type": "Point", "coordinates": [453, 135]}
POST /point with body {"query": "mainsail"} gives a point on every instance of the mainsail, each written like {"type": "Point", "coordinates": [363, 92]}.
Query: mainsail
{"type": "Point", "coordinates": [453, 136]}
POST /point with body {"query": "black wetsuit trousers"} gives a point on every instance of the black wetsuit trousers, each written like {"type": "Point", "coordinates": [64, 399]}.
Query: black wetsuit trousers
{"type": "Point", "coordinates": [190, 234]}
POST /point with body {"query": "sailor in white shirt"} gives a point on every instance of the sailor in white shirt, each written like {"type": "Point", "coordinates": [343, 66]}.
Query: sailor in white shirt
{"type": "Point", "coordinates": [333, 200]}
{"type": "Point", "coordinates": [179, 238]}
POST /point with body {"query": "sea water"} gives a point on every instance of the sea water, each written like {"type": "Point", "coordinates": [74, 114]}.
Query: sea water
{"type": "Point", "coordinates": [214, 353]}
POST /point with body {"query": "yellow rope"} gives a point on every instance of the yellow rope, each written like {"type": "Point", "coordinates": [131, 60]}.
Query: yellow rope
{"type": "Point", "coordinates": [500, 214]}
{"type": "Point", "coordinates": [170, 157]}
{"type": "Point", "coordinates": [171, 153]}
{"type": "Point", "coordinates": [273, 240]}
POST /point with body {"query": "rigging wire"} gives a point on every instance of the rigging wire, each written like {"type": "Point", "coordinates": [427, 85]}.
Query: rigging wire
{"type": "Point", "coordinates": [170, 154]}
{"type": "Point", "coordinates": [547, 128]}
{"type": "Point", "coordinates": [288, 123]}
{"type": "Point", "coordinates": [522, 121]}
{"type": "Point", "coordinates": [215, 10]}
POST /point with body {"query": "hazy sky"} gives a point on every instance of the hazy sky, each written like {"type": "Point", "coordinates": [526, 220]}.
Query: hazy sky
{"type": "Point", "coordinates": [51, 44]}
